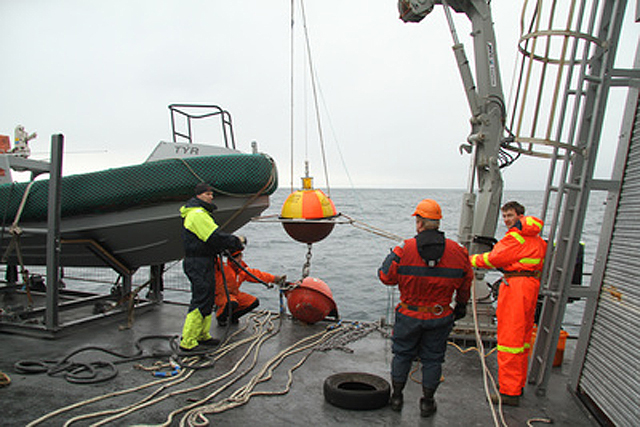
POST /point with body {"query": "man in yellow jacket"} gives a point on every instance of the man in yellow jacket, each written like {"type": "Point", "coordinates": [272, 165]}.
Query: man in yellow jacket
{"type": "Point", "coordinates": [203, 242]}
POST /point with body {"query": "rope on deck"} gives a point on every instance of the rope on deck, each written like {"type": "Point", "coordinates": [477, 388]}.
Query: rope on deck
{"type": "Point", "coordinates": [263, 327]}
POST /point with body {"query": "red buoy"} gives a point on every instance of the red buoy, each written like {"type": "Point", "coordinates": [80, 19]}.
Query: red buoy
{"type": "Point", "coordinates": [311, 301]}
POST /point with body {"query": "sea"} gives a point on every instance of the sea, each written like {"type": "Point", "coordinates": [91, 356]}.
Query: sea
{"type": "Point", "coordinates": [347, 260]}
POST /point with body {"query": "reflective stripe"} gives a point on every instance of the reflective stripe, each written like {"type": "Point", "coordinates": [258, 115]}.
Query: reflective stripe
{"type": "Point", "coordinates": [517, 236]}
{"type": "Point", "coordinates": [532, 221]}
{"type": "Point", "coordinates": [534, 261]}
{"type": "Point", "coordinates": [485, 258]}
{"type": "Point", "coordinates": [416, 270]}
{"type": "Point", "coordinates": [473, 261]}
{"type": "Point", "coordinates": [512, 350]}
{"type": "Point", "coordinates": [527, 345]}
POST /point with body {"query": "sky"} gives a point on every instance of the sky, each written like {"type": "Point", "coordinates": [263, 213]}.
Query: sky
{"type": "Point", "coordinates": [392, 108]}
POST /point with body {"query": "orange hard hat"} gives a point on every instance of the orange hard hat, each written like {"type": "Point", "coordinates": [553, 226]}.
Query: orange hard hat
{"type": "Point", "coordinates": [429, 209]}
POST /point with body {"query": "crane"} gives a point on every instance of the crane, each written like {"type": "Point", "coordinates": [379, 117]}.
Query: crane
{"type": "Point", "coordinates": [479, 211]}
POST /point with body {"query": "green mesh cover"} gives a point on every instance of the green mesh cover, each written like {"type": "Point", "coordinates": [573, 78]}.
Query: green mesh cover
{"type": "Point", "coordinates": [145, 184]}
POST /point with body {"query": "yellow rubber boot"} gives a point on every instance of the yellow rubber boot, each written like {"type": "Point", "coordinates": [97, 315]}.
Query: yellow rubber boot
{"type": "Point", "coordinates": [191, 330]}
{"type": "Point", "coordinates": [205, 337]}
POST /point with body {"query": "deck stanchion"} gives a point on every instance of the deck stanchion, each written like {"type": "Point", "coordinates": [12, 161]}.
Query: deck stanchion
{"type": "Point", "coordinates": [53, 232]}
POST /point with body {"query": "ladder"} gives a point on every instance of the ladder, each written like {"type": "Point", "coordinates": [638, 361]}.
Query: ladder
{"type": "Point", "coordinates": [571, 175]}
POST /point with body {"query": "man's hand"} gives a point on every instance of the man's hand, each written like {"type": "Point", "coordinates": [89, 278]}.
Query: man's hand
{"type": "Point", "coordinates": [459, 311]}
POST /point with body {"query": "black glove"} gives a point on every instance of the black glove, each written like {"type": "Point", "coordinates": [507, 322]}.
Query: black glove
{"type": "Point", "coordinates": [459, 311]}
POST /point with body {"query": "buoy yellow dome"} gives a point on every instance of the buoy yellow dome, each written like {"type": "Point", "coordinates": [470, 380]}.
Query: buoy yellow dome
{"type": "Point", "coordinates": [308, 204]}
{"type": "Point", "coordinates": [306, 210]}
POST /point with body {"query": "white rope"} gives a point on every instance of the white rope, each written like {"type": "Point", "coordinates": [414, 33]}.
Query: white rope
{"type": "Point", "coordinates": [485, 369]}
{"type": "Point", "coordinates": [196, 417]}
{"type": "Point", "coordinates": [371, 229]}
{"type": "Point", "coordinates": [107, 396]}
{"type": "Point", "coordinates": [195, 413]}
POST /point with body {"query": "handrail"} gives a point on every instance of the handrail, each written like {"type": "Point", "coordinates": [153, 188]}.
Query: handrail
{"type": "Point", "coordinates": [187, 111]}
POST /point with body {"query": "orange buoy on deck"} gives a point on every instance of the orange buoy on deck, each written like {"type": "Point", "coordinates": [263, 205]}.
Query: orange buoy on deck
{"type": "Point", "coordinates": [307, 213]}
{"type": "Point", "coordinates": [311, 301]}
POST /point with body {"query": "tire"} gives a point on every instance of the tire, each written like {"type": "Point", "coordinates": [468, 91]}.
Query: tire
{"type": "Point", "coordinates": [357, 390]}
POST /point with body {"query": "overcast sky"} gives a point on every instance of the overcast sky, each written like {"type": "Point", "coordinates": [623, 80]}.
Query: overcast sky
{"type": "Point", "coordinates": [393, 110]}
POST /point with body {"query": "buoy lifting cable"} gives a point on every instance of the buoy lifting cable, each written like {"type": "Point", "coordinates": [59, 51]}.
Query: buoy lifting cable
{"type": "Point", "coordinates": [315, 95]}
{"type": "Point", "coordinates": [291, 94]}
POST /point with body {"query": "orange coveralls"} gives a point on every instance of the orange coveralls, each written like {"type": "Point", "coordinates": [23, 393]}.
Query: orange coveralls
{"type": "Point", "coordinates": [235, 277]}
{"type": "Point", "coordinates": [520, 254]}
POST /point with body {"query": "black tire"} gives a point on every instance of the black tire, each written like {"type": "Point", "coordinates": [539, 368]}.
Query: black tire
{"type": "Point", "coordinates": [357, 390]}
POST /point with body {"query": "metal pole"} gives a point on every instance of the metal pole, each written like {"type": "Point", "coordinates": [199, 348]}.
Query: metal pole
{"type": "Point", "coordinates": [53, 232]}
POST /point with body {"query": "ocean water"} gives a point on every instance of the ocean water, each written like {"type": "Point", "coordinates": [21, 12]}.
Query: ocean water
{"type": "Point", "coordinates": [347, 260]}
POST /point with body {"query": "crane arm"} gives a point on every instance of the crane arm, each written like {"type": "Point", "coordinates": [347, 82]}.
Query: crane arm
{"type": "Point", "coordinates": [479, 216]}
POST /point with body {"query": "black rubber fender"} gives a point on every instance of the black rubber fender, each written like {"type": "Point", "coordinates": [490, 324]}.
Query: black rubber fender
{"type": "Point", "coordinates": [357, 390]}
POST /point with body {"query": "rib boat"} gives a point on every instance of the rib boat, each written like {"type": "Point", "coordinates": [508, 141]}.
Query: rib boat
{"type": "Point", "coordinates": [129, 216]}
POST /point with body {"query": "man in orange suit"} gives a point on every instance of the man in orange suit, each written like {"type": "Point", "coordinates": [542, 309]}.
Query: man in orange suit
{"type": "Point", "coordinates": [520, 255]}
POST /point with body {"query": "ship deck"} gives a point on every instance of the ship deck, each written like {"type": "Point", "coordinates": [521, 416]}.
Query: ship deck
{"type": "Point", "coordinates": [228, 395]}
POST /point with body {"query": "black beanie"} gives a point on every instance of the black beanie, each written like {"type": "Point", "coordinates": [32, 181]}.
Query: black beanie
{"type": "Point", "coordinates": [202, 187]}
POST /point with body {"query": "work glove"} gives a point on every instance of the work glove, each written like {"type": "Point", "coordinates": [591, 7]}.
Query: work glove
{"type": "Point", "coordinates": [279, 280]}
{"type": "Point", "coordinates": [459, 311]}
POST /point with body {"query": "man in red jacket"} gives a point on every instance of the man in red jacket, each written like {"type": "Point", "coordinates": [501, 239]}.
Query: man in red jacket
{"type": "Point", "coordinates": [520, 255]}
{"type": "Point", "coordinates": [241, 302]}
{"type": "Point", "coordinates": [428, 269]}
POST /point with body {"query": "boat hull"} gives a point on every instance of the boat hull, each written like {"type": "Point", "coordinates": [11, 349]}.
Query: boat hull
{"type": "Point", "coordinates": [128, 239]}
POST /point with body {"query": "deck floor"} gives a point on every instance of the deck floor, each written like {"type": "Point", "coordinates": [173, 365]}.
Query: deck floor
{"type": "Point", "coordinates": [460, 398]}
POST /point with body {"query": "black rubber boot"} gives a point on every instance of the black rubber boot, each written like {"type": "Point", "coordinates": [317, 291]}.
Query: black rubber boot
{"type": "Point", "coordinates": [238, 314]}
{"type": "Point", "coordinates": [506, 399]}
{"type": "Point", "coordinates": [427, 403]}
{"type": "Point", "coordinates": [397, 399]}
{"type": "Point", "coordinates": [224, 316]}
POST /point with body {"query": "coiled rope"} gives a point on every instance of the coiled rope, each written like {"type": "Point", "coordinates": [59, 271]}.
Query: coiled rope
{"type": "Point", "coordinates": [91, 372]}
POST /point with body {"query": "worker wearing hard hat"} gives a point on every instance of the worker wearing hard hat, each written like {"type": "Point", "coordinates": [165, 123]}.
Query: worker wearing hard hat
{"type": "Point", "coordinates": [428, 270]}
{"type": "Point", "coordinates": [203, 242]}
{"type": "Point", "coordinates": [520, 255]}
{"type": "Point", "coordinates": [230, 300]}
